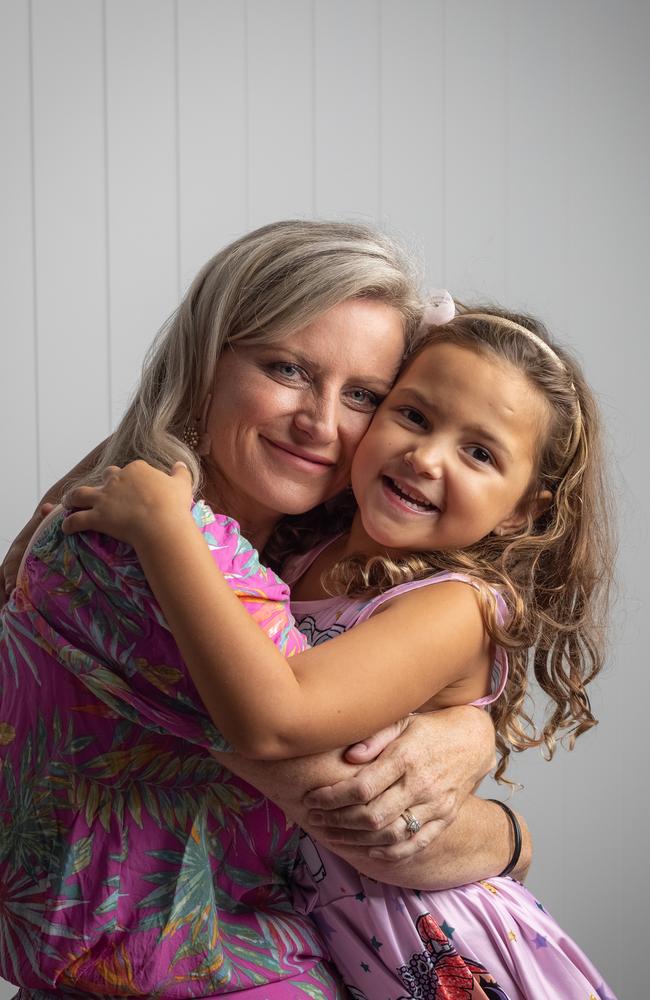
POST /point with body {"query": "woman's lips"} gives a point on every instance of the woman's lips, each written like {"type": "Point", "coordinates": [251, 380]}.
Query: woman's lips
{"type": "Point", "coordinates": [300, 459]}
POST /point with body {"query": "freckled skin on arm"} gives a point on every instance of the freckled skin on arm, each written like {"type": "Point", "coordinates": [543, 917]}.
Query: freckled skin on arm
{"type": "Point", "coordinates": [476, 845]}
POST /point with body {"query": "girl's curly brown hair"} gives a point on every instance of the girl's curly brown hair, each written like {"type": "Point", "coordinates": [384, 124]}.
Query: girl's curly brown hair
{"type": "Point", "coordinates": [554, 572]}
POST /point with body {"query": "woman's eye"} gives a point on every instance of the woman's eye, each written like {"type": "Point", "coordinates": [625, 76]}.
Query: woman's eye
{"type": "Point", "coordinates": [287, 370]}
{"type": "Point", "coordinates": [479, 454]}
{"type": "Point", "coordinates": [364, 398]}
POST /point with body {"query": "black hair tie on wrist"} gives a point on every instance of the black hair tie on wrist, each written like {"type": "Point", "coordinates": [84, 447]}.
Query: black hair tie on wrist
{"type": "Point", "coordinates": [516, 829]}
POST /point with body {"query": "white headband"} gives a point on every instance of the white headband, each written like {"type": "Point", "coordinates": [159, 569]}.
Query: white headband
{"type": "Point", "coordinates": [441, 309]}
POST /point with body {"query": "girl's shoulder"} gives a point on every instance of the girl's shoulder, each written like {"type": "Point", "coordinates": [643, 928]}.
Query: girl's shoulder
{"type": "Point", "coordinates": [444, 576]}
{"type": "Point", "coordinates": [324, 619]}
{"type": "Point", "coordinates": [499, 670]}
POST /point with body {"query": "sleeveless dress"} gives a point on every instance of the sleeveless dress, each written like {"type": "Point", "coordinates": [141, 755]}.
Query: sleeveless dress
{"type": "Point", "coordinates": [391, 943]}
{"type": "Point", "coordinates": [132, 863]}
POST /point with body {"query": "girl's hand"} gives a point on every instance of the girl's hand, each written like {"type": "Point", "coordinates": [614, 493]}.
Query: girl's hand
{"type": "Point", "coordinates": [132, 503]}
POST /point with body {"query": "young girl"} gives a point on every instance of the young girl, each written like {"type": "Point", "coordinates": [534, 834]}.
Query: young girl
{"type": "Point", "coordinates": [479, 547]}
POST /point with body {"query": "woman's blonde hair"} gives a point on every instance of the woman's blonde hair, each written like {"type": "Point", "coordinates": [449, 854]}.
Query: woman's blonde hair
{"type": "Point", "coordinates": [258, 289]}
{"type": "Point", "coordinates": [555, 571]}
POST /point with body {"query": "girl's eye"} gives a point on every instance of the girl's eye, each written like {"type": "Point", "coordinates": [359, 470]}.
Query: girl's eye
{"type": "Point", "coordinates": [364, 399]}
{"type": "Point", "coordinates": [479, 454]}
{"type": "Point", "coordinates": [413, 416]}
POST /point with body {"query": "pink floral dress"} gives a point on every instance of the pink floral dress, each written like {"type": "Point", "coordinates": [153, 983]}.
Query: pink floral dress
{"type": "Point", "coordinates": [132, 863]}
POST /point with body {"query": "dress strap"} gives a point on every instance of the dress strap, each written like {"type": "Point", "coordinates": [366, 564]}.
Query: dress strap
{"type": "Point", "coordinates": [296, 566]}
{"type": "Point", "coordinates": [499, 674]}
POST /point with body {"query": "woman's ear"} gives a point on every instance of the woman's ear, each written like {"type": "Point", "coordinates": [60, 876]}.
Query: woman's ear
{"type": "Point", "coordinates": [535, 507]}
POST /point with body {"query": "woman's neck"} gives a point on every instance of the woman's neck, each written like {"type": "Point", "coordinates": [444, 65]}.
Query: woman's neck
{"type": "Point", "coordinates": [255, 522]}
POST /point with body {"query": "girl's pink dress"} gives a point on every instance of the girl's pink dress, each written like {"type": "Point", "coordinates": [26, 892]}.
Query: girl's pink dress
{"type": "Point", "coordinates": [132, 863]}
{"type": "Point", "coordinates": [393, 944]}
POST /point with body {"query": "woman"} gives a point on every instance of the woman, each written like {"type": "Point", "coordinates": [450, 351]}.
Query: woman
{"type": "Point", "coordinates": [134, 861]}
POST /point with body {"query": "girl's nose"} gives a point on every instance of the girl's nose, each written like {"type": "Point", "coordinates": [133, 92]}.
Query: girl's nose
{"type": "Point", "coordinates": [426, 461]}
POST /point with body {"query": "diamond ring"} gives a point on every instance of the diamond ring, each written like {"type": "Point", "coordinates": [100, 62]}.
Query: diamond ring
{"type": "Point", "coordinates": [413, 825]}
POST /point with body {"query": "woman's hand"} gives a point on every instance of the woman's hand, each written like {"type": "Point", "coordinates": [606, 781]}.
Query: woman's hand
{"type": "Point", "coordinates": [17, 549]}
{"type": "Point", "coordinates": [427, 764]}
{"type": "Point", "coordinates": [131, 503]}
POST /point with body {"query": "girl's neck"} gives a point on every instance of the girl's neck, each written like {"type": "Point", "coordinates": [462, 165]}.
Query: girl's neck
{"type": "Point", "coordinates": [359, 542]}
{"type": "Point", "coordinates": [354, 542]}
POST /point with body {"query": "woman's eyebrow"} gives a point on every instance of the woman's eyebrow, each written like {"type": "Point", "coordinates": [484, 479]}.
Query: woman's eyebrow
{"type": "Point", "coordinates": [369, 379]}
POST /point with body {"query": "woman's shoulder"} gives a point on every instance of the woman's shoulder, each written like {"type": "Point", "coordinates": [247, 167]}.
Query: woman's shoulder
{"type": "Point", "coordinates": [237, 559]}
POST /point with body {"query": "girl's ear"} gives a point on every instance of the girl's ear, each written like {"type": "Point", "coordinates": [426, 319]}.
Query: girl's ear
{"type": "Point", "coordinates": [513, 522]}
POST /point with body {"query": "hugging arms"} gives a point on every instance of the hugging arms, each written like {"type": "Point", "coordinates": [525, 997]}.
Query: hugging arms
{"type": "Point", "coordinates": [272, 367]}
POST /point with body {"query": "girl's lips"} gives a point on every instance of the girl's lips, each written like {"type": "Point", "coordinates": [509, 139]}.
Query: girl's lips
{"type": "Point", "coordinates": [301, 459]}
{"type": "Point", "coordinates": [396, 498]}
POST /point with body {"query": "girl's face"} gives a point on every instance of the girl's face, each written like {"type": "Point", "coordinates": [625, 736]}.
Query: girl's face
{"type": "Point", "coordinates": [286, 417]}
{"type": "Point", "coordinates": [449, 455]}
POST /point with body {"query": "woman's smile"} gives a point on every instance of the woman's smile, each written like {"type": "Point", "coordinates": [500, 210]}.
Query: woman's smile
{"type": "Point", "coordinates": [300, 459]}
{"type": "Point", "coordinates": [287, 416]}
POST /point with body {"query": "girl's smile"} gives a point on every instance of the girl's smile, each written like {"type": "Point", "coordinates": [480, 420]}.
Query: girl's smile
{"type": "Point", "coordinates": [450, 454]}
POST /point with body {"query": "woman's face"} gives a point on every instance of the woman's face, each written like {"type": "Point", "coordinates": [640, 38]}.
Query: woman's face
{"type": "Point", "coordinates": [286, 417]}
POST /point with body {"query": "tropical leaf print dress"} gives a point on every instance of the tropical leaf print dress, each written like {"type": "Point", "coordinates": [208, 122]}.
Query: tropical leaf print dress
{"type": "Point", "coordinates": [131, 862]}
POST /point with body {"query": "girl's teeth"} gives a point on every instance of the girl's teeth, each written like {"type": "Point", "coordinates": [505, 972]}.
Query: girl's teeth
{"type": "Point", "coordinates": [416, 502]}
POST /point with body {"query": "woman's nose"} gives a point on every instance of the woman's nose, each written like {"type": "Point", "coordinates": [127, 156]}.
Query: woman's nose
{"type": "Point", "coordinates": [318, 418]}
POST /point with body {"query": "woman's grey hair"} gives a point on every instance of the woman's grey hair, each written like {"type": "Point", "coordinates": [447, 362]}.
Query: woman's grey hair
{"type": "Point", "coordinates": [268, 284]}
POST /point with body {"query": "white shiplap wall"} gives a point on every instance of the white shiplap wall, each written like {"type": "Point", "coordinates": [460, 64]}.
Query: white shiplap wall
{"type": "Point", "coordinates": [505, 139]}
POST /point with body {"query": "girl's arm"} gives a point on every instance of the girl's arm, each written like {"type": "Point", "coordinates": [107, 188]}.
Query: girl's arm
{"type": "Point", "coordinates": [333, 694]}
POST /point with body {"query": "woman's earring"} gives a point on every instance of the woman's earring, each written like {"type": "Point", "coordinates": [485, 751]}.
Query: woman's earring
{"type": "Point", "coordinates": [195, 434]}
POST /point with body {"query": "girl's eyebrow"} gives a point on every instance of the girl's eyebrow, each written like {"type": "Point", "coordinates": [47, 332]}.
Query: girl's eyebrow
{"type": "Point", "coordinates": [481, 432]}
{"type": "Point", "coordinates": [485, 435]}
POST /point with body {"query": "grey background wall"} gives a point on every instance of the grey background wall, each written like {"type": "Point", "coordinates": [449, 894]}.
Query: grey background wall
{"type": "Point", "coordinates": [506, 140]}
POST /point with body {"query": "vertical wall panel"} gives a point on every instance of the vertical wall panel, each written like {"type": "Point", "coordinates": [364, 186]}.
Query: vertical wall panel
{"type": "Point", "coordinates": [535, 223]}
{"type": "Point", "coordinates": [213, 128]}
{"type": "Point", "coordinates": [348, 156]}
{"type": "Point", "coordinates": [607, 278]}
{"type": "Point", "coordinates": [476, 122]}
{"type": "Point", "coordinates": [412, 127]}
{"type": "Point", "coordinates": [538, 151]}
{"type": "Point", "coordinates": [280, 110]}
{"type": "Point", "coordinates": [70, 231]}
{"type": "Point", "coordinates": [18, 404]}
{"type": "Point", "coordinates": [142, 181]}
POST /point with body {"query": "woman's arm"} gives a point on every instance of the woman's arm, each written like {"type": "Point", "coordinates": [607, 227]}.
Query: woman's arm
{"type": "Point", "coordinates": [15, 552]}
{"type": "Point", "coordinates": [264, 705]}
{"type": "Point", "coordinates": [476, 845]}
